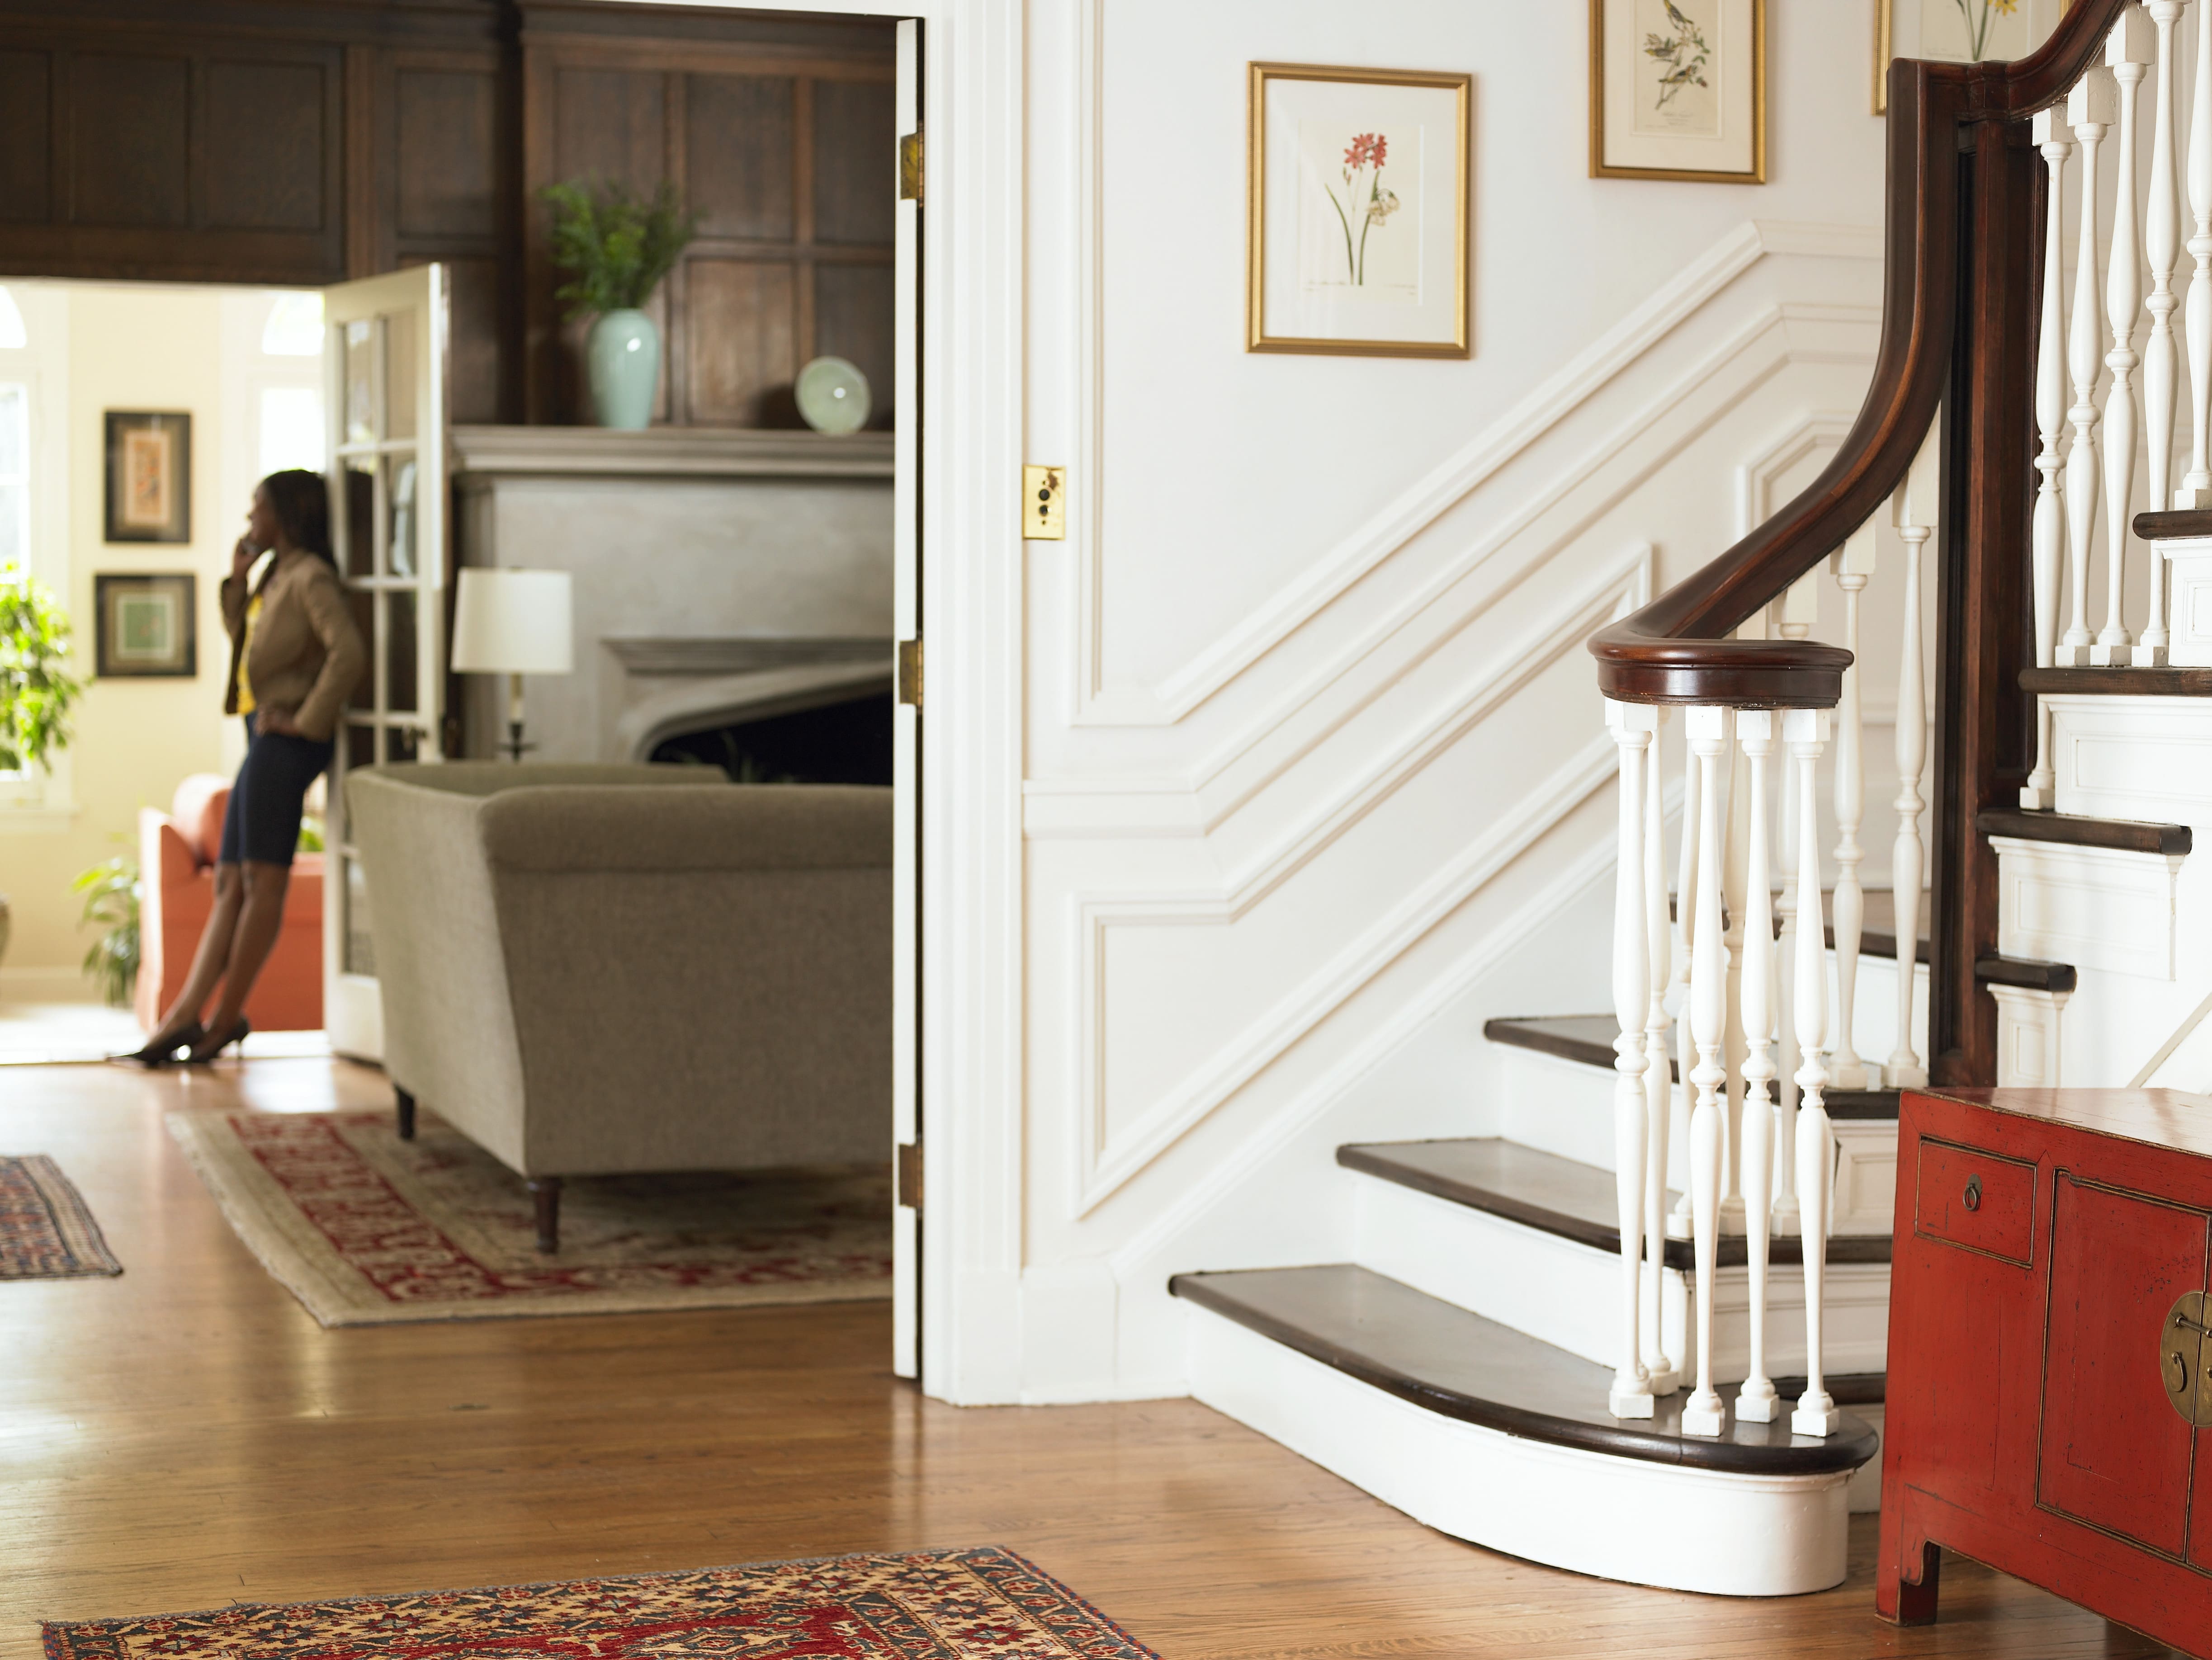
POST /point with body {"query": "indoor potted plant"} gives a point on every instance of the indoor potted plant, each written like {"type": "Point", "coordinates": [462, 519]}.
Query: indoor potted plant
{"type": "Point", "coordinates": [618, 247]}
{"type": "Point", "coordinates": [35, 694]}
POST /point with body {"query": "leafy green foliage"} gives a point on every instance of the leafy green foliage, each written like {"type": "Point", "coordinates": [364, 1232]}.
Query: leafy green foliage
{"type": "Point", "coordinates": [111, 904]}
{"type": "Point", "coordinates": [619, 245]}
{"type": "Point", "coordinates": [35, 693]}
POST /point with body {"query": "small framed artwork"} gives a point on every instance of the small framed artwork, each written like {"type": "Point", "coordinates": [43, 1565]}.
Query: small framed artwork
{"type": "Point", "coordinates": [146, 627]}
{"type": "Point", "coordinates": [1357, 191]}
{"type": "Point", "coordinates": [1678, 90]}
{"type": "Point", "coordinates": [149, 477]}
{"type": "Point", "coordinates": [1957, 32]}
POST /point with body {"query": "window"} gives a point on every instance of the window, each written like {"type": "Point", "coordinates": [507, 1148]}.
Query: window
{"type": "Point", "coordinates": [291, 428]}
{"type": "Point", "coordinates": [295, 328]}
{"type": "Point", "coordinates": [15, 473]}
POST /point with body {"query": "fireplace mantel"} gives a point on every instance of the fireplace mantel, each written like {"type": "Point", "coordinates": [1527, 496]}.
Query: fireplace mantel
{"type": "Point", "coordinates": [667, 453]}
{"type": "Point", "coordinates": [696, 552]}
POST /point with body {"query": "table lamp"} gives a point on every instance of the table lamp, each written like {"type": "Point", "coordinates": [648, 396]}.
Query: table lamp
{"type": "Point", "coordinates": [514, 623]}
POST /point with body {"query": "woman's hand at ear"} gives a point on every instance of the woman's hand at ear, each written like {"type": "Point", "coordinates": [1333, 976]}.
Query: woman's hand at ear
{"type": "Point", "coordinates": [241, 559]}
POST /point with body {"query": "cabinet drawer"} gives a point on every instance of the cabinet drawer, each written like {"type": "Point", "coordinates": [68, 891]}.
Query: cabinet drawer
{"type": "Point", "coordinates": [1976, 1200]}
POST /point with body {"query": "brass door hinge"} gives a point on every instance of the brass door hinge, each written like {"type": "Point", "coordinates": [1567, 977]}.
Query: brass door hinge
{"type": "Point", "coordinates": [910, 167]}
{"type": "Point", "coordinates": [910, 1175]}
{"type": "Point", "coordinates": [909, 672]}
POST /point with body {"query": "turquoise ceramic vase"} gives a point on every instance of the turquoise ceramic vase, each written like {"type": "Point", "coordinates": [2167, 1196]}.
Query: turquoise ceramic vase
{"type": "Point", "coordinates": [622, 358]}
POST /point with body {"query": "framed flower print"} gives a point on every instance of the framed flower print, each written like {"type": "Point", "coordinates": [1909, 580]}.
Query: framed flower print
{"type": "Point", "coordinates": [1957, 32]}
{"type": "Point", "coordinates": [1678, 90]}
{"type": "Point", "coordinates": [1357, 191]}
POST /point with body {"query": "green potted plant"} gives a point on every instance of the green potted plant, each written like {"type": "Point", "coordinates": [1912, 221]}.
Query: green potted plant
{"type": "Point", "coordinates": [618, 247]}
{"type": "Point", "coordinates": [35, 694]}
{"type": "Point", "coordinates": [112, 890]}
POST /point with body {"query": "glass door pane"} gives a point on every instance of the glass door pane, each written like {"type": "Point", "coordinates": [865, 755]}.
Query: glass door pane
{"type": "Point", "coordinates": [385, 375]}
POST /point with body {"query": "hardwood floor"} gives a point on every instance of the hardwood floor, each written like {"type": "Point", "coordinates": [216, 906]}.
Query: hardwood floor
{"type": "Point", "coordinates": [186, 1435]}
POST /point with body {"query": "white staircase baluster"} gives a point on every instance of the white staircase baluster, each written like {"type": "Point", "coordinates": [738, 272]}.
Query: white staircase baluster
{"type": "Point", "coordinates": [1853, 564]}
{"type": "Point", "coordinates": [2089, 109]}
{"type": "Point", "coordinates": [1807, 730]}
{"type": "Point", "coordinates": [1914, 509]}
{"type": "Point", "coordinates": [2040, 791]}
{"type": "Point", "coordinates": [1661, 1374]}
{"type": "Point", "coordinates": [2197, 488]}
{"type": "Point", "coordinates": [1703, 1413]}
{"type": "Point", "coordinates": [1633, 725]}
{"type": "Point", "coordinates": [2161, 236]}
{"type": "Point", "coordinates": [1756, 1400]}
{"type": "Point", "coordinates": [2127, 54]}
{"type": "Point", "coordinates": [1685, 914]}
{"type": "Point", "coordinates": [1800, 608]}
{"type": "Point", "coordinates": [1733, 851]}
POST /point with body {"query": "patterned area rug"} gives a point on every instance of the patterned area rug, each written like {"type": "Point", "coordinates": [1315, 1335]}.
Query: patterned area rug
{"type": "Point", "coordinates": [45, 1231]}
{"type": "Point", "coordinates": [946, 1605]}
{"type": "Point", "coordinates": [366, 1228]}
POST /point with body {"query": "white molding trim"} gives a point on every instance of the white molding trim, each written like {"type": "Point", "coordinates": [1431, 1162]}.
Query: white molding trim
{"type": "Point", "coordinates": [1104, 1162]}
{"type": "Point", "coordinates": [1754, 478]}
{"type": "Point", "coordinates": [1139, 1253]}
{"type": "Point", "coordinates": [1294, 602]}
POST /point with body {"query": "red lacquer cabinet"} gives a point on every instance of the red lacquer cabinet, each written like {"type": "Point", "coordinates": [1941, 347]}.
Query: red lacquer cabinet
{"type": "Point", "coordinates": [2049, 1360]}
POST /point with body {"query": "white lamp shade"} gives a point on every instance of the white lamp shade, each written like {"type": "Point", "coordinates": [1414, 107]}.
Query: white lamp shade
{"type": "Point", "coordinates": [513, 622]}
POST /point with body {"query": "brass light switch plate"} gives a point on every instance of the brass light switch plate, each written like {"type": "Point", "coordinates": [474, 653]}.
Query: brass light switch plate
{"type": "Point", "coordinates": [1044, 504]}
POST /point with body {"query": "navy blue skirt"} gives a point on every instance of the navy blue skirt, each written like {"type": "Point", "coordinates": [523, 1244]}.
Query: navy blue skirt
{"type": "Point", "coordinates": [261, 822]}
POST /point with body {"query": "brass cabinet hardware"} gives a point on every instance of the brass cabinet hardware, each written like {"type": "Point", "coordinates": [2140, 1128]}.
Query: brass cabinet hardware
{"type": "Point", "coordinates": [1974, 1192]}
{"type": "Point", "coordinates": [2181, 1357]}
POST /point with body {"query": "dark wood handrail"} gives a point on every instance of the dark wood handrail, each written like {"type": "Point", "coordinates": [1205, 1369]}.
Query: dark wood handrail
{"type": "Point", "coordinates": [1676, 649]}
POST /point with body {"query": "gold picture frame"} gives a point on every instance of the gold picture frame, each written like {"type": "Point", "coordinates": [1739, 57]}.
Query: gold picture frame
{"type": "Point", "coordinates": [1615, 154]}
{"type": "Point", "coordinates": [1885, 44]}
{"type": "Point", "coordinates": [1420, 305]}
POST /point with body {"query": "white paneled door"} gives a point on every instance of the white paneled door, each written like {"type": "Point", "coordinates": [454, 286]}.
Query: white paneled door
{"type": "Point", "coordinates": [384, 348]}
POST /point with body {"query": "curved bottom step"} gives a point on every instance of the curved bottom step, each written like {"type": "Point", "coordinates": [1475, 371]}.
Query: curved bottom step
{"type": "Point", "coordinates": [1389, 1409]}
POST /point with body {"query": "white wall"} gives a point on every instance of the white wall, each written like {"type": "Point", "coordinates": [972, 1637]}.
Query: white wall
{"type": "Point", "coordinates": [1317, 780]}
{"type": "Point", "coordinates": [95, 347]}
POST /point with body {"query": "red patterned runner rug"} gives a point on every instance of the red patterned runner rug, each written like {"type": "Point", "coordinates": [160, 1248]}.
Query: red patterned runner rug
{"type": "Point", "coordinates": [945, 1605]}
{"type": "Point", "coordinates": [366, 1229]}
{"type": "Point", "coordinates": [47, 1232]}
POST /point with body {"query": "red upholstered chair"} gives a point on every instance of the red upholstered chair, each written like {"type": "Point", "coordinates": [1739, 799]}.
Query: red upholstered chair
{"type": "Point", "coordinates": [176, 862]}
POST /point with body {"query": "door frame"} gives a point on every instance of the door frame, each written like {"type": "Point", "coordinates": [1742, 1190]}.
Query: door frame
{"type": "Point", "coordinates": [974, 74]}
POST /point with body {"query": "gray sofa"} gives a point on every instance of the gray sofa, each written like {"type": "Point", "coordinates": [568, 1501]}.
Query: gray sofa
{"type": "Point", "coordinates": [594, 970]}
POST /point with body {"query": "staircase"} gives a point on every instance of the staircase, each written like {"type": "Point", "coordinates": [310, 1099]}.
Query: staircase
{"type": "Point", "coordinates": [1530, 1349]}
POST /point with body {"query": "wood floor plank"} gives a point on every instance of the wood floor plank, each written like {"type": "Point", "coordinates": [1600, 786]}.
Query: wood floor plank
{"type": "Point", "coordinates": [186, 1435]}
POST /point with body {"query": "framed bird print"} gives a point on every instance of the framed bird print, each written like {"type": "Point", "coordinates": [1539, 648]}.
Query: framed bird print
{"type": "Point", "coordinates": [1678, 90]}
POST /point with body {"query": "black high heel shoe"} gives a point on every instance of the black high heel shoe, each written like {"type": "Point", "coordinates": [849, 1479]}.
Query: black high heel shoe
{"type": "Point", "coordinates": [154, 1057]}
{"type": "Point", "coordinates": [210, 1046]}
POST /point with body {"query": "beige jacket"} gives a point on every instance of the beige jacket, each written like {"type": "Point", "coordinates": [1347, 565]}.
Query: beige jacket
{"type": "Point", "coordinates": [307, 653]}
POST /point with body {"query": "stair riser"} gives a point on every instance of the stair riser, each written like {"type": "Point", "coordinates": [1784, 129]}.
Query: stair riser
{"type": "Point", "coordinates": [1568, 1294]}
{"type": "Point", "coordinates": [1565, 1107]}
{"type": "Point", "coordinates": [1620, 1519]}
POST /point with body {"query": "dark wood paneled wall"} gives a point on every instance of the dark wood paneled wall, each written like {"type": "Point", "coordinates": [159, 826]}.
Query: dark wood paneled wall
{"type": "Point", "coordinates": [782, 142]}
{"type": "Point", "coordinates": [270, 143]}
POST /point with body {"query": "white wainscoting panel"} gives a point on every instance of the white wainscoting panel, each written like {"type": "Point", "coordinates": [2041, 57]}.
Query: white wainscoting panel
{"type": "Point", "coordinates": [2095, 907]}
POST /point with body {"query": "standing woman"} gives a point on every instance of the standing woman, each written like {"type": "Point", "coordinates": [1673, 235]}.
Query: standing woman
{"type": "Point", "coordinates": [294, 657]}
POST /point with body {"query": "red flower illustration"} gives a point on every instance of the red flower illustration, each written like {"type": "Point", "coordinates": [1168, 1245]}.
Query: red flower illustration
{"type": "Point", "coordinates": [1367, 147]}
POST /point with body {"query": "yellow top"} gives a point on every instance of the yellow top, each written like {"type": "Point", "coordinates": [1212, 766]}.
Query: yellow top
{"type": "Point", "coordinates": [246, 651]}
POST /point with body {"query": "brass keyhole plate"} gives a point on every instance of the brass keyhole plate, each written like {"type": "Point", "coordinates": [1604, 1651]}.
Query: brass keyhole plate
{"type": "Point", "coordinates": [2182, 1357]}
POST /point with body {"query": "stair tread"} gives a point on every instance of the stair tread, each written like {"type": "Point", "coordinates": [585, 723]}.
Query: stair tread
{"type": "Point", "coordinates": [2119, 682]}
{"type": "Point", "coordinates": [1588, 1039]}
{"type": "Point", "coordinates": [1556, 1195]}
{"type": "Point", "coordinates": [2082, 829]}
{"type": "Point", "coordinates": [1441, 1358]}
